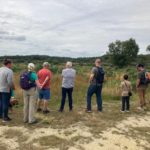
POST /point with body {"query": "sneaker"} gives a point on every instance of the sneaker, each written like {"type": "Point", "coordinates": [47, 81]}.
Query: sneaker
{"type": "Point", "coordinates": [122, 111]}
{"type": "Point", "coordinates": [39, 110]}
{"type": "Point", "coordinates": [88, 111]}
{"type": "Point", "coordinates": [140, 108]}
{"type": "Point", "coordinates": [127, 111]}
{"type": "Point", "coordinates": [60, 110]}
{"type": "Point", "coordinates": [33, 122]}
{"type": "Point", "coordinates": [6, 119]}
{"type": "Point", "coordinates": [46, 111]}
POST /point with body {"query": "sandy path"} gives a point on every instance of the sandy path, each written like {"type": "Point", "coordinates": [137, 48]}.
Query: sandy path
{"type": "Point", "coordinates": [116, 138]}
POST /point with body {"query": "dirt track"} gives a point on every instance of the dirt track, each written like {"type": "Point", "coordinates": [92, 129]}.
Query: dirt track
{"type": "Point", "coordinates": [131, 134]}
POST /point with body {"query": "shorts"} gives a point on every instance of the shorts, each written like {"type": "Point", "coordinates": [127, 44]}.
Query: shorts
{"type": "Point", "coordinates": [44, 94]}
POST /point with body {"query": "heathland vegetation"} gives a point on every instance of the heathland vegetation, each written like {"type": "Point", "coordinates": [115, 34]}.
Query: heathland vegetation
{"type": "Point", "coordinates": [78, 130]}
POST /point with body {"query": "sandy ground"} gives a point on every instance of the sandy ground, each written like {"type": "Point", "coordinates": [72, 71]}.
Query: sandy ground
{"type": "Point", "coordinates": [116, 138]}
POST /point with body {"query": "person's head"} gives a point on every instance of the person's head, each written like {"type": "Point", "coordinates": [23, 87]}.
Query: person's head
{"type": "Point", "coordinates": [31, 67]}
{"type": "Point", "coordinates": [125, 77]}
{"type": "Point", "coordinates": [46, 65]}
{"type": "Point", "coordinates": [69, 64]}
{"type": "Point", "coordinates": [98, 62]}
{"type": "Point", "coordinates": [7, 63]}
{"type": "Point", "coordinates": [140, 67]}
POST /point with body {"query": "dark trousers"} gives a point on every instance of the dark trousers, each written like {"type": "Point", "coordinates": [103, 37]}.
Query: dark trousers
{"type": "Point", "coordinates": [94, 89]}
{"type": "Point", "coordinates": [4, 104]}
{"type": "Point", "coordinates": [125, 103]}
{"type": "Point", "coordinates": [66, 91]}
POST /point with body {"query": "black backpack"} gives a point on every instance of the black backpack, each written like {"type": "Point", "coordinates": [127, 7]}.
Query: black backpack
{"type": "Point", "coordinates": [99, 76]}
{"type": "Point", "coordinates": [144, 80]}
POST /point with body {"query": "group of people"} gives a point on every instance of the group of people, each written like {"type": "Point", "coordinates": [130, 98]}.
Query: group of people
{"type": "Point", "coordinates": [36, 89]}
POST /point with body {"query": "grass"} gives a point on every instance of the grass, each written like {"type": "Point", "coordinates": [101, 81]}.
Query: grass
{"type": "Point", "coordinates": [96, 122]}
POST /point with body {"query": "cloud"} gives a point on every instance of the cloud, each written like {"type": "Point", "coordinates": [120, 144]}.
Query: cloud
{"type": "Point", "coordinates": [71, 28]}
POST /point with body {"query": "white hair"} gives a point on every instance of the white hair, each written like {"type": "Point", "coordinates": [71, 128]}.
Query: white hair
{"type": "Point", "coordinates": [46, 64]}
{"type": "Point", "coordinates": [69, 64]}
{"type": "Point", "coordinates": [31, 67]}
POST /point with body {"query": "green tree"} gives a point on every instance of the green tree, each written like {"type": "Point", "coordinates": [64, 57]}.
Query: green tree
{"type": "Point", "coordinates": [123, 53]}
{"type": "Point", "coordinates": [148, 48]}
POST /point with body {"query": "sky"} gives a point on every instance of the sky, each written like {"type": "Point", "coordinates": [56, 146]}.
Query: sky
{"type": "Point", "coordinates": [72, 28]}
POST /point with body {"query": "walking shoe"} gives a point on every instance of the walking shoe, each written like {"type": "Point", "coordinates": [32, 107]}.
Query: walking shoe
{"type": "Point", "coordinates": [88, 111]}
{"type": "Point", "coordinates": [60, 110]}
{"type": "Point", "coordinates": [6, 119]}
{"type": "Point", "coordinates": [39, 110]}
{"type": "Point", "coordinates": [127, 111]}
{"type": "Point", "coordinates": [46, 111]}
{"type": "Point", "coordinates": [140, 108]}
{"type": "Point", "coordinates": [122, 111]}
{"type": "Point", "coordinates": [33, 122]}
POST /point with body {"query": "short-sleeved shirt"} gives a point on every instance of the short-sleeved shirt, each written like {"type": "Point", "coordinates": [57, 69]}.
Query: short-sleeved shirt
{"type": "Point", "coordinates": [42, 74]}
{"type": "Point", "coordinates": [68, 75]}
{"type": "Point", "coordinates": [94, 71]}
{"type": "Point", "coordinates": [33, 77]}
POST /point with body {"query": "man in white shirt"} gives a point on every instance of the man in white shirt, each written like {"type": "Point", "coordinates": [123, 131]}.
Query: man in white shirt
{"type": "Point", "coordinates": [6, 85]}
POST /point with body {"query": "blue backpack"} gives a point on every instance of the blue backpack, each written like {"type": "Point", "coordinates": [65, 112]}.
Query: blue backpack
{"type": "Point", "coordinates": [25, 82]}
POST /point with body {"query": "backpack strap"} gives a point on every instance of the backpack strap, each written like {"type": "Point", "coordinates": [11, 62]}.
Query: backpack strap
{"type": "Point", "coordinates": [126, 85]}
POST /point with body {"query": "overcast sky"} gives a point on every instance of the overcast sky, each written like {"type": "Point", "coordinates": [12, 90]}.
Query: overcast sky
{"type": "Point", "coordinates": [74, 28]}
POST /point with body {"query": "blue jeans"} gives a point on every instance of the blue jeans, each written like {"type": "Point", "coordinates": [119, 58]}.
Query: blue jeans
{"type": "Point", "coordinates": [66, 91]}
{"type": "Point", "coordinates": [94, 89]}
{"type": "Point", "coordinates": [4, 104]}
{"type": "Point", "coordinates": [125, 103]}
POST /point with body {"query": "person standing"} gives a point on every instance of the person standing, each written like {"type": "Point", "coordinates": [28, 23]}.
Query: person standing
{"type": "Point", "coordinates": [44, 77]}
{"type": "Point", "coordinates": [141, 86]}
{"type": "Point", "coordinates": [29, 83]}
{"type": "Point", "coordinates": [68, 75]}
{"type": "Point", "coordinates": [96, 82]}
{"type": "Point", "coordinates": [6, 85]}
{"type": "Point", "coordinates": [126, 93]}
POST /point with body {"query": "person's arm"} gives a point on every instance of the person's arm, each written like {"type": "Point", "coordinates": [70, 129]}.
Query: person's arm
{"type": "Point", "coordinates": [10, 80]}
{"type": "Point", "coordinates": [91, 77]}
{"type": "Point", "coordinates": [130, 87]}
{"type": "Point", "coordinates": [38, 84]}
{"type": "Point", "coordinates": [45, 81]}
{"type": "Point", "coordinates": [137, 83]}
{"type": "Point", "coordinates": [92, 74]}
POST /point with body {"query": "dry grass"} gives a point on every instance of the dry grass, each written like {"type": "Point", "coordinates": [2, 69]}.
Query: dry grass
{"type": "Point", "coordinates": [96, 122]}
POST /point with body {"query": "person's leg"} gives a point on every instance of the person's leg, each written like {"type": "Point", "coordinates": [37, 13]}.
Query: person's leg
{"type": "Point", "coordinates": [140, 93]}
{"type": "Point", "coordinates": [70, 90]}
{"type": "Point", "coordinates": [39, 102]}
{"type": "Point", "coordinates": [32, 106]}
{"type": "Point", "coordinates": [99, 97]}
{"type": "Point", "coordinates": [144, 93]}
{"type": "Point", "coordinates": [5, 101]}
{"type": "Point", "coordinates": [127, 103]}
{"type": "Point", "coordinates": [123, 103]}
{"type": "Point", "coordinates": [90, 92]}
{"type": "Point", "coordinates": [26, 106]}
{"type": "Point", "coordinates": [46, 98]}
{"type": "Point", "coordinates": [1, 105]}
{"type": "Point", "coordinates": [64, 91]}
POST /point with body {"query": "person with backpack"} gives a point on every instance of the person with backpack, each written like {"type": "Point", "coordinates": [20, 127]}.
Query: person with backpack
{"type": "Point", "coordinates": [126, 93]}
{"type": "Point", "coordinates": [68, 75]}
{"type": "Point", "coordinates": [96, 83]}
{"type": "Point", "coordinates": [29, 83]}
{"type": "Point", "coordinates": [6, 85]}
{"type": "Point", "coordinates": [44, 77]}
{"type": "Point", "coordinates": [141, 85]}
